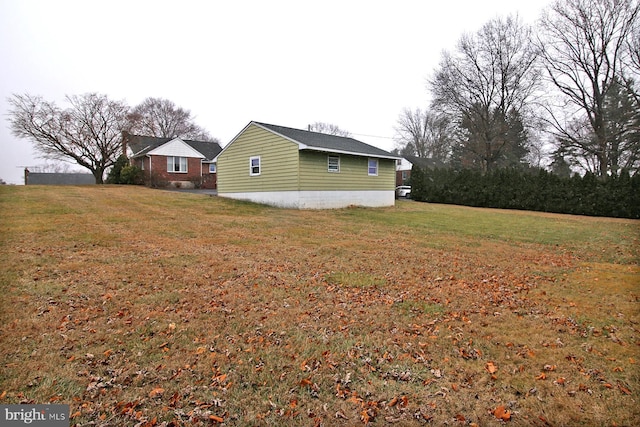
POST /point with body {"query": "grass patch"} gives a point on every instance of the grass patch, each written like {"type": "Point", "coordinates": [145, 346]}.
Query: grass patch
{"type": "Point", "coordinates": [138, 306]}
{"type": "Point", "coordinates": [353, 279]}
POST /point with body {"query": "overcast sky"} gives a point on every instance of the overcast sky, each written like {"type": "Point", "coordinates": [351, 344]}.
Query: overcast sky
{"type": "Point", "coordinates": [355, 64]}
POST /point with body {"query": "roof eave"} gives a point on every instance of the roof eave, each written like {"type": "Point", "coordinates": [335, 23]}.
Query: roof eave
{"type": "Point", "coordinates": [353, 153]}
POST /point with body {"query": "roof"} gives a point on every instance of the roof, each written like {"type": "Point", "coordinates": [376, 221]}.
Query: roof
{"type": "Point", "coordinates": [141, 145]}
{"type": "Point", "coordinates": [425, 163]}
{"type": "Point", "coordinates": [328, 143]}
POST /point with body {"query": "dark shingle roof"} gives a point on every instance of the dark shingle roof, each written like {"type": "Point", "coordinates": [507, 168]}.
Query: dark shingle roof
{"type": "Point", "coordinates": [141, 145]}
{"type": "Point", "coordinates": [330, 143]}
{"type": "Point", "coordinates": [425, 163]}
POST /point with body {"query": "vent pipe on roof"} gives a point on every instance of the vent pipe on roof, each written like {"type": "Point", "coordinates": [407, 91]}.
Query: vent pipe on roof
{"type": "Point", "coordinates": [309, 128]}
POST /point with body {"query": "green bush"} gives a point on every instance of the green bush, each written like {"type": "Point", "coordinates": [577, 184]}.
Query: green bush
{"type": "Point", "coordinates": [132, 175]}
{"type": "Point", "coordinates": [530, 189]}
{"type": "Point", "coordinates": [114, 174]}
{"type": "Point", "coordinates": [124, 173]}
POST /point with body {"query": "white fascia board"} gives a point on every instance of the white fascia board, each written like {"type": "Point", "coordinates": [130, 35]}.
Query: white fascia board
{"type": "Point", "coordinates": [353, 153]}
{"type": "Point", "coordinates": [176, 147]}
{"type": "Point", "coordinates": [405, 165]}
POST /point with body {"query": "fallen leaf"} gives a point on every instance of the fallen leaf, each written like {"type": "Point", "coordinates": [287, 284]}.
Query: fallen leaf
{"type": "Point", "coordinates": [393, 402]}
{"type": "Point", "coordinates": [623, 389]}
{"type": "Point", "coordinates": [491, 368]}
{"type": "Point", "coordinates": [405, 401]}
{"type": "Point", "coordinates": [542, 376]}
{"type": "Point", "coordinates": [216, 418]}
{"type": "Point", "coordinates": [156, 392]}
{"type": "Point", "coordinates": [501, 413]}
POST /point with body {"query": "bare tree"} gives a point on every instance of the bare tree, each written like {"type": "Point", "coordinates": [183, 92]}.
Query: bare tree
{"type": "Point", "coordinates": [424, 133]}
{"type": "Point", "coordinates": [87, 132]}
{"type": "Point", "coordinates": [582, 43]}
{"type": "Point", "coordinates": [630, 63]}
{"type": "Point", "coordinates": [329, 129]}
{"type": "Point", "coordinates": [486, 85]}
{"type": "Point", "coordinates": [163, 119]}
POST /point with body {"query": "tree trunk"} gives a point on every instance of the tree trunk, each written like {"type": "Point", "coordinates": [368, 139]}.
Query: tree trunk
{"type": "Point", "coordinates": [98, 175]}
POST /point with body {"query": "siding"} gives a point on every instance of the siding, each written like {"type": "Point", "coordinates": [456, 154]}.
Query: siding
{"type": "Point", "coordinates": [278, 163]}
{"type": "Point", "coordinates": [353, 173]}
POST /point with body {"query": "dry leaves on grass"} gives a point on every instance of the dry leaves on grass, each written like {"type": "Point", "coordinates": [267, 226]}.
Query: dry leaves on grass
{"type": "Point", "coordinates": [241, 315]}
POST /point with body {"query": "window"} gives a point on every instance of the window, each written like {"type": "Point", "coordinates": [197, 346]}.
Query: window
{"type": "Point", "coordinates": [177, 164]}
{"type": "Point", "coordinates": [212, 168]}
{"type": "Point", "coordinates": [254, 166]}
{"type": "Point", "coordinates": [373, 167]}
{"type": "Point", "coordinates": [333, 163]}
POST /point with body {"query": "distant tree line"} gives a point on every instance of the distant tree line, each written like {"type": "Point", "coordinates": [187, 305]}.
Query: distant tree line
{"type": "Point", "coordinates": [530, 189]}
{"type": "Point", "coordinates": [562, 94]}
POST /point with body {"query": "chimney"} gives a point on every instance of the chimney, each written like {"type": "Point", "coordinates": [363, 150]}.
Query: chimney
{"type": "Point", "coordinates": [125, 141]}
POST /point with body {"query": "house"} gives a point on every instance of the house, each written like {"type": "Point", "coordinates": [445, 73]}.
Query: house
{"type": "Point", "coordinates": [403, 169]}
{"type": "Point", "coordinates": [295, 168]}
{"type": "Point", "coordinates": [173, 161]}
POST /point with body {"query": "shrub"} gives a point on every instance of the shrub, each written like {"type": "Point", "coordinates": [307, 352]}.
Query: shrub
{"type": "Point", "coordinates": [132, 175]}
{"type": "Point", "coordinates": [530, 189]}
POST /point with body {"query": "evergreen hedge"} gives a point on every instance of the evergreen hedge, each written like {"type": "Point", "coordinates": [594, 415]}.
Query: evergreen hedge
{"type": "Point", "coordinates": [525, 189]}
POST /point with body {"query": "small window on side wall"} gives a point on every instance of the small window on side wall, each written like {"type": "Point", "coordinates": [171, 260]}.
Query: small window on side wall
{"type": "Point", "coordinates": [254, 166]}
{"type": "Point", "coordinates": [212, 168]}
{"type": "Point", "coordinates": [373, 167]}
{"type": "Point", "coordinates": [333, 163]}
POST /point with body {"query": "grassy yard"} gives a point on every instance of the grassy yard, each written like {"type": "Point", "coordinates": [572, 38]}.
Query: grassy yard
{"type": "Point", "coordinates": [153, 308]}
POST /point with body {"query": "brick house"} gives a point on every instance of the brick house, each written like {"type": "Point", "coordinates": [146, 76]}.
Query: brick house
{"type": "Point", "coordinates": [403, 167]}
{"type": "Point", "coordinates": [175, 162]}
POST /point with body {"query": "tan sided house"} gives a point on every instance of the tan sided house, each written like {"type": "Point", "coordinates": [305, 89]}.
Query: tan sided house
{"type": "Point", "coordinates": [173, 161]}
{"type": "Point", "coordinates": [294, 168]}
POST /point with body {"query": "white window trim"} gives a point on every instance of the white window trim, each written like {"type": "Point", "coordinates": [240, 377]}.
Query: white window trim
{"type": "Point", "coordinates": [172, 170]}
{"type": "Point", "coordinates": [369, 168]}
{"type": "Point", "coordinates": [214, 168]}
{"type": "Point", "coordinates": [329, 164]}
{"type": "Point", "coordinates": [251, 159]}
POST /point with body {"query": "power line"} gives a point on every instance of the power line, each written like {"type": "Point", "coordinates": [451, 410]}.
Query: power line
{"type": "Point", "coordinates": [373, 136]}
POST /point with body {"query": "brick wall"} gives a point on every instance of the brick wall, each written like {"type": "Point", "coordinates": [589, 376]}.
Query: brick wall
{"type": "Point", "coordinates": [196, 171]}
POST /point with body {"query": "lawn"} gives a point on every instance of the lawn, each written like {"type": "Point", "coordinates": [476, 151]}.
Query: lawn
{"type": "Point", "coordinates": [153, 308]}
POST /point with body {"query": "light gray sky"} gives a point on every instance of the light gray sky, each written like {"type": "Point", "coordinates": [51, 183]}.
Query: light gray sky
{"type": "Point", "coordinates": [355, 64]}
